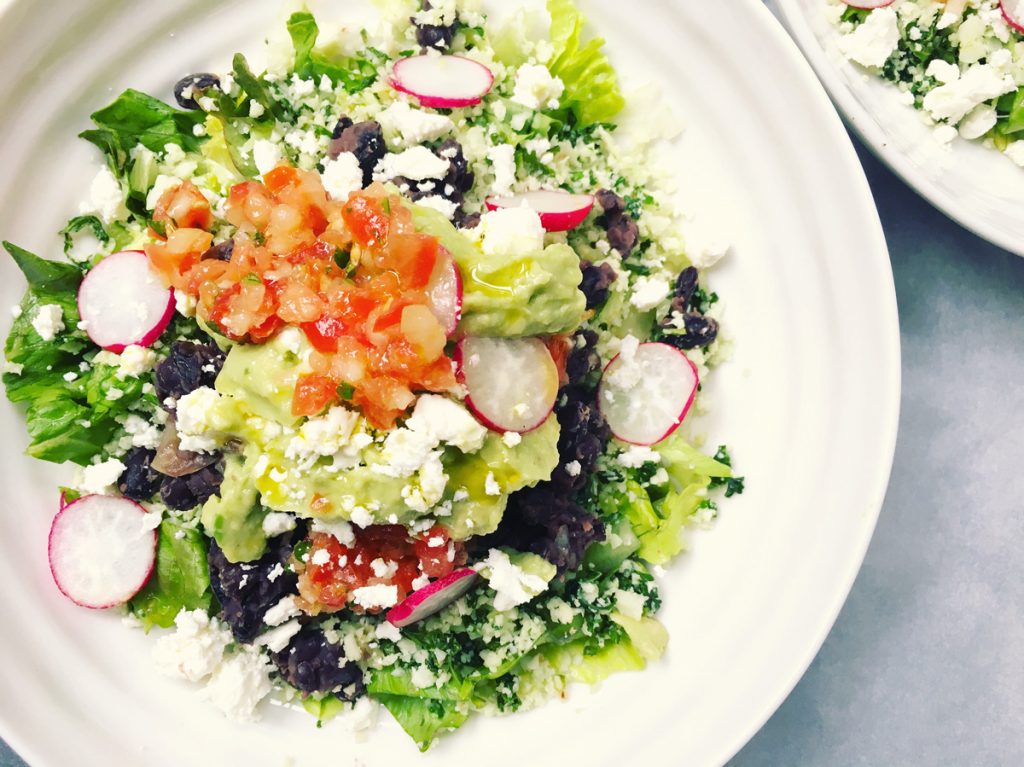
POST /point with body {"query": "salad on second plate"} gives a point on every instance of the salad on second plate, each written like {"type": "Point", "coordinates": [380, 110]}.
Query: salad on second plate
{"type": "Point", "coordinates": [376, 366]}
{"type": "Point", "coordinates": [960, 62]}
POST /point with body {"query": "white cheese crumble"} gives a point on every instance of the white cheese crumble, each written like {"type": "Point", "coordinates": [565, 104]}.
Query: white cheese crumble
{"type": "Point", "coordinates": [184, 304]}
{"type": "Point", "coordinates": [98, 478]}
{"type": "Point", "coordinates": [388, 631]}
{"type": "Point", "coordinates": [375, 597]}
{"type": "Point", "coordinates": [266, 155]}
{"type": "Point", "coordinates": [980, 83]}
{"type": "Point", "coordinates": [503, 162]}
{"type": "Point", "coordinates": [340, 529]}
{"type": "Point", "coordinates": [277, 638]}
{"type": "Point", "coordinates": [142, 432]}
{"type": "Point", "coordinates": [282, 611]}
{"type": "Point", "coordinates": [491, 486]}
{"type": "Point", "coordinates": [511, 438]}
{"type": "Point", "coordinates": [630, 604]}
{"type": "Point", "coordinates": [573, 468]}
{"type": "Point", "coordinates": [444, 420]}
{"type": "Point", "coordinates": [162, 183]}
{"type": "Point", "coordinates": [978, 122]}
{"type": "Point", "coordinates": [195, 420]}
{"type": "Point", "coordinates": [195, 649]}
{"type": "Point", "coordinates": [106, 198]}
{"type": "Point", "coordinates": [409, 126]}
{"type": "Point", "coordinates": [511, 232]}
{"type": "Point", "coordinates": [637, 455]}
{"type": "Point", "coordinates": [648, 292]}
{"type": "Point", "coordinates": [342, 176]}
{"type": "Point", "coordinates": [416, 163]}
{"type": "Point", "coordinates": [239, 683]}
{"type": "Point", "coordinates": [536, 88]}
{"type": "Point", "coordinates": [278, 523]}
{"type": "Point", "coordinates": [512, 586]}
{"type": "Point", "coordinates": [48, 321]}
{"type": "Point", "coordinates": [442, 205]}
{"type": "Point", "coordinates": [873, 42]}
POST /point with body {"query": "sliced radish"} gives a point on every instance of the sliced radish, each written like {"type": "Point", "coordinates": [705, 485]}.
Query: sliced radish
{"type": "Point", "coordinates": [432, 598]}
{"type": "Point", "coordinates": [644, 395]}
{"type": "Point", "coordinates": [442, 82]}
{"type": "Point", "coordinates": [445, 293]}
{"type": "Point", "coordinates": [102, 550]}
{"type": "Point", "coordinates": [1013, 12]}
{"type": "Point", "coordinates": [559, 211]}
{"type": "Point", "coordinates": [512, 383]}
{"type": "Point", "coordinates": [123, 301]}
{"type": "Point", "coordinates": [868, 5]}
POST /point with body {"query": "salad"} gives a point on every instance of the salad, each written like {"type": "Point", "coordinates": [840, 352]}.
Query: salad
{"type": "Point", "coordinates": [961, 62]}
{"type": "Point", "coordinates": [376, 363]}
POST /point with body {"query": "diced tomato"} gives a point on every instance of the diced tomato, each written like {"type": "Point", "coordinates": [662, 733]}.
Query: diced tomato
{"type": "Point", "coordinates": [313, 393]}
{"type": "Point", "coordinates": [183, 207]}
{"type": "Point", "coordinates": [266, 329]}
{"type": "Point", "coordinates": [432, 549]}
{"type": "Point", "coordinates": [324, 333]}
{"type": "Point", "coordinates": [413, 256]}
{"type": "Point", "coordinates": [366, 220]}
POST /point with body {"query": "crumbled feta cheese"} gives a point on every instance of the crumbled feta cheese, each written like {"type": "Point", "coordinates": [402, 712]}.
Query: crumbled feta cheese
{"type": "Point", "coordinates": [142, 432]}
{"type": "Point", "coordinates": [442, 205]}
{"type": "Point", "coordinates": [573, 468]}
{"type": "Point", "coordinates": [375, 597]}
{"type": "Point", "coordinates": [512, 586]}
{"type": "Point", "coordinates": [503, 161]}
{"type": "Point", "coordinates": [195, 649]}
{"type": "Point", "coordinates": [511, 438]}
{"type": "Point", "coordinates": [278, 523]}
{"type": "Point", "coordinates": [511, 232]}
{"type": "Point", "coordinates": [340, 529]}
{"type": "Point", "coordinates": [106, 198]}
{"type": "Point", "coordinates": [388, 631]}
{"type": "Point", "coordinates": [980, 83]}
{"type": "Point", "coordinates": [445, 420]}
{"type": "Point", "coordinates": [98, 478]}
{"type": "Point", "coordinates": [416, 163]}
{"type": "Point", "coordinates": [329, 434]}
{"type": "Point", "coordinates": [491, 486]}
{"type": "Point", "coordinates": [256, 110]}
{"type": "Point", "coordinates": [282, 611]}
{"type": "Point", "coordinates": [321, 557]}
{"type": "Point", "coordinates": [630, 604]}
{"type": "Point", "coordinates": [536, 88]}
{"type": "Point", "coordinates": [48, 321]}
{"type": "Point", "coordinates": [413, 126]}
{"type": "Point", "coordinates": [648, 292]}
{"type": "Point", "coordinates": [943, 71]}
{"type": "Point", "coordinates": [134, 361]}
{"type": "Point", "coordinates": [184, 304]}
{"type": "Point", "coordinates": [239, 683]}
{"type": "Point", "coordinates": [277, 638]}
{"type": "Point", "coordinates": [162, 183]}
{"type": "Point", "coordinates": [637, 455]}
{"type": "Point", "coordinates": [978, 122]}
{"type": "Point", "coordinates": [404, 452]}
{"type": "Point", "coordinates": [266, 155]}
{"type": "Point", "coordinates": [383, 569]}
{"type": "Point", "coordinates": [195, 420]}
{"type": "Point", "coordinates": [342, 176]}
{"type": "Point", "coordinates": [873, 42]}
{"type": "Point", "coordinates": [422, 677]}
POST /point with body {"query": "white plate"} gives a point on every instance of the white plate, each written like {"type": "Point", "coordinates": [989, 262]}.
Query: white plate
{"type": "Point", "coordinates": [809, 405]}
{"type": "Point", "coordinates": [980, 188]}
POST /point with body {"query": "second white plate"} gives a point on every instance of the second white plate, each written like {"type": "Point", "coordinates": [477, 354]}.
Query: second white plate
{"type": "Point", "coordinates": [980, 188]}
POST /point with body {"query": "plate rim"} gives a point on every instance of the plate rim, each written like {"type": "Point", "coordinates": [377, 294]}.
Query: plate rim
{"type": "Point", "coordinates": [889, 351]}
{"type": "Point", "coordinates": [874, 136]}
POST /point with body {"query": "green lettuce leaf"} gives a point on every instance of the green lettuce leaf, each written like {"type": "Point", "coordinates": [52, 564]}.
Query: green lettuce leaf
{"type": "Point", "coordinates": [353, 74]}
{"type": "Point", "coordinates": [257, 88]}
{"type": "Point", "coordinates": [137, 118]}
{"type": "Point", "coordinates": [591, 84]}
{"type": "Point", "coordinates": [390, 683]}
{"type": "Point", "coordinates": [423, 719]}
{"type": "Point", "coordinates": [181, 580]}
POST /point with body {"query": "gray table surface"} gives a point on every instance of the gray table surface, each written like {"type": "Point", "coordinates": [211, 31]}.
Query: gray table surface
{"type": "Point", "coordinates": [925, 665]}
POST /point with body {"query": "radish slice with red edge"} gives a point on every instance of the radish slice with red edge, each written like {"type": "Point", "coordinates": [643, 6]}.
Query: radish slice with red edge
{"type": "Point", "coordinates": [123, 302]}
{"type": "Point", "coordinates": [868, 5]}
{"type": "Point", "coordinates": [444, 293]}
{"type": "Point", "coordinates": [1013, 12]}
{"type": "Point", "coordinates": [511, 383]}
{"type": "Point", "coordinates": [442, 82]}
{"type": "Point", "coordinates": [559, 211]}
{"type": "Point", "coordinates": [102, 550]}
{"type": "Point", "coordinates": [645, 394]}
{"type": "Point", "coordinates": [432, 598]}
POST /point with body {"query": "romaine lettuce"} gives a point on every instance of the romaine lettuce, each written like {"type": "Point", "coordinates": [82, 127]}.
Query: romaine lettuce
{"type": "Point", "coordinates": [181, 580]}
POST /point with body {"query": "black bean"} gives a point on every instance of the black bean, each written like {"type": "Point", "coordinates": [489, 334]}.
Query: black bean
{"type": "Point", "coordinates": [366, 141]}
{"type": "Point", "coordinates": [698, 331]}
{"type": "Point", "coordinates": [340, 126]}
{"type": "Point", "coordinates": [459, 176]}
{"type": "Point", "coordinates": [199, 83]}
{"type": "Point", "coordinates": [221, 251]}
{"type": "Point", "coordinates": [686, 286]}
{"type": "Point", "coordinates": [583, 358]}
{"type": "Point", "coordinates": [435, 36]}
{"type": "Point", "coordinates": [464, 220]}
{"type": "Point", "coordinates": [189, 366]}
{"type": "Point", "coordinates": [611, 203]}
{"type": "Point", "coordinates": [246, 590]}
{"type": "Point", "coordinates": [312, 664]}
{"type": "Point", "coordinates": [597, 279]}
{"type": "Point", "coordinates": [193, 489]}
{"type": "Point", "coordinates": [139, 480]}
{"type": "Point", "coordinates": [623, 235]}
